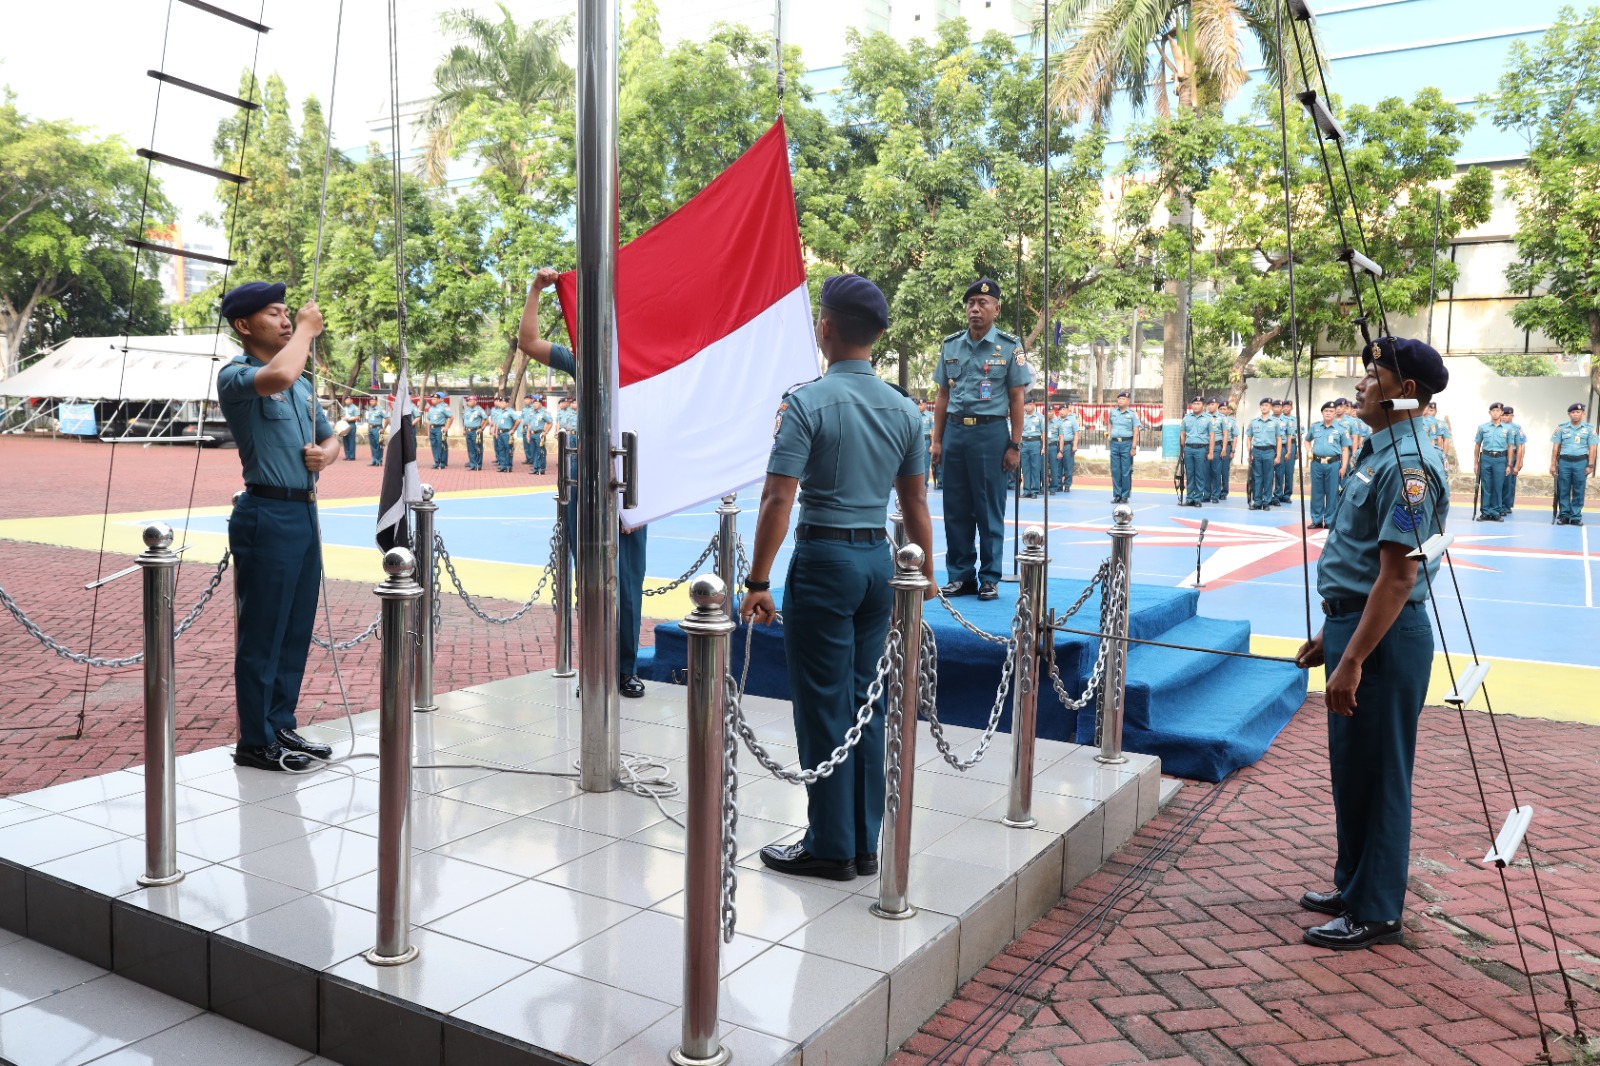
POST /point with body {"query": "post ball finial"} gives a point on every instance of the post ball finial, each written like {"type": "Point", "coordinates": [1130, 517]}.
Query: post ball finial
{"type": "Point", "coordinates": [909, 557]}
{"type": "Point", "coordinates": [427, 492]}
{"type": "Point", "coordinates": [158, 536]}
{"type": "Point", "coordinates": [399, 562]}
{"type": "Point", "coordinates": [1032, 538]}
{"type": "Point", "coordinates": [708, 591]}
{"type": "Point", "coordinates": [1122, 515]}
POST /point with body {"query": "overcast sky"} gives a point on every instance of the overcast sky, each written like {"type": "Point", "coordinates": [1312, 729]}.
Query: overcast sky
{"type": "Point", "coordinates": [85, 61]}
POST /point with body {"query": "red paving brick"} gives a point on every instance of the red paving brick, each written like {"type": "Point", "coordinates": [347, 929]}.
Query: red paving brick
{"type": "Point", "coordinates": [1203, 964]}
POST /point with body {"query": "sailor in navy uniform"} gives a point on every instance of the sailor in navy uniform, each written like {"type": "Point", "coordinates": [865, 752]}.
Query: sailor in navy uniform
{"type": "Point", "coordinates": [1377, 644]}
{"type": "Point", "coordinates": [1571, 462]}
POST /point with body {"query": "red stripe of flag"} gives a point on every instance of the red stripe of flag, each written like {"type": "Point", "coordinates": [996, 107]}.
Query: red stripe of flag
{"type": "Point", "coordinates": [706, 269]}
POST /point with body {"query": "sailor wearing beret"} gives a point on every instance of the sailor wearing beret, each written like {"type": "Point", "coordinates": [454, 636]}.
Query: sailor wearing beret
{"type": "Point", "coordinates": [1377, 642]}
{"type": "Point", "coordinates": [977, 436]}
{"type": "Point", "coordinates": [841, 443]}
{"type": "Point", "coordinates": [1571, 461]}
{"type": "Point", "coordinates": [284, 440]}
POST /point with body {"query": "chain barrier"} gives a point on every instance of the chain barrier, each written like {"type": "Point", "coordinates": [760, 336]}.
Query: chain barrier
{"type": "Point", "coordinates": [1116, 589]}
{"type": "Point", "coordinates": [892, 724]}
{"type": "Point", "coordinates": [67, 653]}
{"type": "Point", "coordinates": [970, 628]}
{"type": "Point", "coordinates": [442, 555]}
{"type": "Point", "coordinates": [928, 685]}
{"type": "Point", "coordinates": [744, 561]}
{"type": "Point", "coordinates": [345, 645]}
{"type": "Point", "coordinates": [730, 821]}
{"type": "Point", "coordinates": [689, 573]}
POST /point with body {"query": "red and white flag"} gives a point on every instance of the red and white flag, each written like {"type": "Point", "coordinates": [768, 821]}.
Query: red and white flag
{"type": "Point", "coordinates": [713, 327]}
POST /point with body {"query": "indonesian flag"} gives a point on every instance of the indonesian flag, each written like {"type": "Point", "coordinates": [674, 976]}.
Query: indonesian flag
{"type": "Point", "coordinates": [402, 485]}
{"type": "Point", "coordinates": [713, 327]}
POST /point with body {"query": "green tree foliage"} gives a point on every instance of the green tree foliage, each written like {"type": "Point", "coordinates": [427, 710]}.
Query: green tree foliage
{"type": "Point", "coordinates": [1550, 93]}
{"type": "Point", "coordinates": [67, 201]}
{"type": "Point", "coordinates": [942, 181]}
{"type": "Point", "coordinates": [1520, 366]}
{"type": "Point", "coordinates": [1397, 152]}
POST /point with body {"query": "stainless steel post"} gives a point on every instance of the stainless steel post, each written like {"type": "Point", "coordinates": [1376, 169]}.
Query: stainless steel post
{"type": "Point", "coordinates": [706, 629]}
{"type": "Point", "coordinates": [400, 597]}
{"type": "Point", "coordinates": [423, 700]}
{"type": "Point", "coordinates": [727, 554]}
{"type": "Point", "coordinates": [563, 593]}
{"type": "Point", "coordinates": [1113, 696]}
{"type": "Point", "coordinates": [600, 747]}
{"type": "Point", "coordinates": [1025, 703]}
{"type": "Point", "coordinates": [897, 526]}
{"type": "Point", "coordinates": [160, 568]}
{"type": "Point", "coordinates": [895, 848]}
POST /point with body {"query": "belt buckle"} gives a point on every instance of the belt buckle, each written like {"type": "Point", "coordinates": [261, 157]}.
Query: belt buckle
{"type": "Point", "coordinates": [311, 496]}
{"type": "Point", "coordinates": [1325, 609]}
{"type": "Point", "coordinates": [969, 421]}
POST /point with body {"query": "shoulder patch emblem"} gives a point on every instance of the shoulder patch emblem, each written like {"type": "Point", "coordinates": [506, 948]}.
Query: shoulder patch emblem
{"type": "Point", "coordinates": [1414, 486]}
{"type": "Point", "coordinates": [777, 423]}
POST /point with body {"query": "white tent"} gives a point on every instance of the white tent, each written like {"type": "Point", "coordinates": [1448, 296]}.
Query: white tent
{"type": "Point", "coordinates": [180, 369]}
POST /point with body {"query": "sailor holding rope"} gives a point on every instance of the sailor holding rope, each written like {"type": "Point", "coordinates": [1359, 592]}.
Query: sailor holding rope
{"type": "Point", "coordinates": [1378, 644]}
{"type": "Point", "coordinates": [841, 442]}
{"type": "Point", "coordinates": [272, 533]}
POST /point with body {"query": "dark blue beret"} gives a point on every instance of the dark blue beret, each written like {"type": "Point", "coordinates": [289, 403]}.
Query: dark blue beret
{"type": "Point", "coordinates": [1197, 399]}
{"type": "Point", "coordinates": [242, 301]}
{"type": "Point", "coordinates": [1327, 405]}
{"type": "Point", "coordinates": [1571, 407]}
{"type": "Point", "coordinates": [1508, 410]}
{"type": "Point", "coordinates": [1411, 359]}
{"type": "Point", "coordinates": [1120, 395]}
{"type": "Point", "coordinates": [854, 295]}
{"type": "Point", "coordinates": [1212, 399]}
{"type": "Point", "coordinates": [982, 287]}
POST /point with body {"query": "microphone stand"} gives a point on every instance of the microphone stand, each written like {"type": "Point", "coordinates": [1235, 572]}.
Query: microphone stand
{"type": "Point", "coordinates": [1200, 540]}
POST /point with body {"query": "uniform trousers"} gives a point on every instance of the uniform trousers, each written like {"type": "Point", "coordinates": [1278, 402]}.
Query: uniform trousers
{"type": "Point", "coordinates": [527, 448]}
{"type": "Point", "coordinates": [538, 459]}
{"type": "Point", "coordinates": [1219, 474]}
{"type": "Point", "coordinates": [1261, 467]}
{"type": "Point", "coordinates": [1508, 493]}
{"type": "Point", "coordinates": [836, 606]}
{"type": "Point", "coordinates": [375, 442]}
{"type": "Point", "coordinates": [1370, 759]}
{"type": "Point", "coordinates": [1491, 485]}
{"type": "Point", "coordinates": [440, 446]}
{"type": "Point", "coordinates": [1196, 472]}
{"type": "Point", "coordinates": [1284, 489]}
{"type": "Point", "coordinates": [1571, 486]}
{"type": "Point", "coordinates": [1121, 469]}
{"type": "Point", "coordinates": [1032, 466]}
{"type": "Point", "coordinates": [1324, 490]}
{"type": "Point", "coordinates": [276, 574]}
{"type": "Point", "coordinates": [350, 442]}
{"type": "Point", "coordinates": [927, 452]}
{"type": "Point", "coordinates": [1063, 467]}
{"type": "Point", "coordinates": [630, 586]}
{"type": "Point", "coordinates": [975, 486]}
{"type": "Point", "coordinates": [504, 457]}
{"type": "Point", "coordinates": [474, 449]}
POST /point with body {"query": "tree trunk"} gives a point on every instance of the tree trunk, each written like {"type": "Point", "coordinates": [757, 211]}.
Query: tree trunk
{"type": "Point", "coordinates": [505, 365]}
{"type": "Point", "coordinates": [1177, 320]}
{"type": "Point", "coordinates": [1594, 355]}
{"type": "Point", "coordinates": [519, 378]}
{"type": "Point", "coordinates": [1241, 362]}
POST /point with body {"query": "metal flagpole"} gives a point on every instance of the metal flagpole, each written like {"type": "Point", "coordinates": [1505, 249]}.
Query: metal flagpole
{"type": "Point", "coordinates": [597, 532]}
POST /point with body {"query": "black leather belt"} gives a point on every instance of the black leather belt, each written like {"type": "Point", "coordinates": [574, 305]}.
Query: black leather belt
{"type": "Point", "coordinates": [978, 420]}
{"type": "Point", "coordinates": [1030, 440]}
{"type": "Point", "coordinates": [272, 492]}
{"type": "Point", "coordinates": [1351, 606]}
{"type": "Point", "coordinates": [1324, 460]}
{"type": "Point", "coordinates": [1121, 438]}
{"type": "Point", "coordinates": [1266, 447]}
{"type": "Point", "coordinates": [1197, 445]}
{"type": "Point", "coordinates": [1493, 455]}
{"type": "Point", "coordinates": [1574, 458]}
{"type": "Point", "coordinates": [869, 536]}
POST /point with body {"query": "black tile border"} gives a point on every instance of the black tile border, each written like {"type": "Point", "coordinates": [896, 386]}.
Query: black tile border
{"type": "Point", "coordinates": [69, 918]}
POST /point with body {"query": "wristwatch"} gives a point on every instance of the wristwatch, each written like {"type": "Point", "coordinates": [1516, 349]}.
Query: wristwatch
{"type": "Point", "coordinates": [757, 586]}
{"type": "Point", "coordinates": [1013, 446]}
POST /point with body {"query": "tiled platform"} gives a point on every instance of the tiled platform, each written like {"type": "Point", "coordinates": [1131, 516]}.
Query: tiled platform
{"type": "Point", "coordinates": [549, 921]}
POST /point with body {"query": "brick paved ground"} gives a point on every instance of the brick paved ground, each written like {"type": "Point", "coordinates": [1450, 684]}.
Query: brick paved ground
{"type": "Point", "coordinates": [1202, 964]}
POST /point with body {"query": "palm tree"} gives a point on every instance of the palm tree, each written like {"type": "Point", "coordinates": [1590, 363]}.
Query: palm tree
{"type": "Point", "coordinates": [495, 60]}
{"type": "Point", "coordinates": [1188, 49]}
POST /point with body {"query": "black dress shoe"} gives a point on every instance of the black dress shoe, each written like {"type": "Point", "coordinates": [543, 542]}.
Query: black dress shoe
{"type": "Point", "coordinates": [795, 859]}
{"type": "Point", "coordinates": [1323, 902]}
{"type": "Point", "coordinates": [1344, 933]}
{"type": "Point", "coordinates": [271, 757]}
{"type": "Point", "coordinates": [989, 591]}
{"type": "Point", "coordinates": [632, 687]}
{"type": "Point", "coordinates": [293, 741]}
{"type": "Point", "coordinates": [867, 865]}
{"type": "Point", "coordinates": [960, 588]}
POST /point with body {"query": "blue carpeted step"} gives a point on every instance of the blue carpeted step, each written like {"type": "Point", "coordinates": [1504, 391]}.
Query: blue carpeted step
{"type": "Point", "coordinates": [1154, 673]}
{"type": "Point", "coordinates": [1229, 722]}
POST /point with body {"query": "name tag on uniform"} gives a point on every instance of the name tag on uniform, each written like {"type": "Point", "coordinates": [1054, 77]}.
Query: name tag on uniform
{"type": "Point", "coordinates": [1365, 475]}
{"type": "Point", "coordinates": [986, 390]}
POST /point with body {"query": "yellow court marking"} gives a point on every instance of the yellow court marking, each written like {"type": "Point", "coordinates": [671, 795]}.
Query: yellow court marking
{"type": "Point", "coordinates": [124, 536]}
{"type": "Point", "coordinates": [1528, 689]}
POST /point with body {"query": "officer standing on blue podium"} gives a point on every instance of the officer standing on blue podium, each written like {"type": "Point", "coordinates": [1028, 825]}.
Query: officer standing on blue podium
{"type": "Point", "coordinates": [1377, 643]}
{"type": "Point", "coordinates": [842, 442]}
{"type": "Point", "coordinates": [284, 441]}
{"type": "Point", "coordinates": [977, 436]}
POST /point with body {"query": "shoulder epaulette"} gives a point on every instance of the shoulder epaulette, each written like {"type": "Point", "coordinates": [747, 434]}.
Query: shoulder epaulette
{"type": "Point", "coordinates": [792, 389]}
{"type": "Point", "coordinates": [953, 336]}
{"type": "Point", "coordinates": [896, 387]}
{"type": "Point", "coordinates": [1003, 335]}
